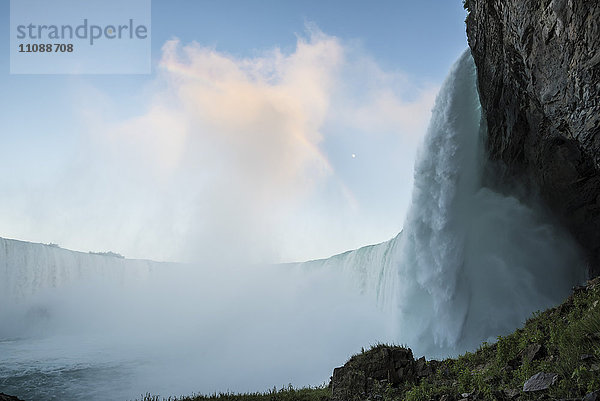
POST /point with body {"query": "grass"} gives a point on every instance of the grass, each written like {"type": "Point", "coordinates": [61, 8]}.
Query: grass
{"type": "Point", "coordinates": [563, 340]}
{"type": "Point", "coordinates": [284, 394]}
{"type": "Point", "coordinates": [569, 344]}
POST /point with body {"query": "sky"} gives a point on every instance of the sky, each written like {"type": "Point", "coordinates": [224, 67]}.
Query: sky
{"type": "Point", "coordinates": [267, 131]}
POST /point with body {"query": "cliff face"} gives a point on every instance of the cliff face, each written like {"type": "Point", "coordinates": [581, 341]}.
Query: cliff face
{"type": "Point", "coordinates": [538, 66]}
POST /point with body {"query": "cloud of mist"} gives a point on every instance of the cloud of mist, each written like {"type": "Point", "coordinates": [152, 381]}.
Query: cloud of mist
{"type": "Point", "coordinates": [227, 160]}
{"type": "Point", "coordinates": [184, 329]}
{"type": "Point", "coordinates": [219, 325]}
{"type": "Point", "coordinates": [236, 158]}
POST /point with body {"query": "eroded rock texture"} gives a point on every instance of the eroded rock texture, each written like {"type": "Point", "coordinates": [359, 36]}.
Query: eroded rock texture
{"type": "Point", "coordinates": [367, 375]}
{"type": "Point", "coordinates": [538, 66]}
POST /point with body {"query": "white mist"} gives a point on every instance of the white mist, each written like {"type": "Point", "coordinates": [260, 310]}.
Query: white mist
{"type": "Point", "coordinates": [470, 264]}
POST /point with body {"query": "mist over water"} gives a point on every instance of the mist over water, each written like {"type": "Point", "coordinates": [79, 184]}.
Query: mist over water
{"type": "Point", "coordinates": [470, 264]}
{"type": "Point", "coordinates": [172, 328]}
{"type": "Point", "coordinates": [473, 263]}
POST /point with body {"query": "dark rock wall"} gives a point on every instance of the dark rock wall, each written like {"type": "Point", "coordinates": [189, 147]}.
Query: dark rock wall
{"type": "Point", "coordinates": [367, 375]}
{"type": "Point", "coordinates": [538, 66]}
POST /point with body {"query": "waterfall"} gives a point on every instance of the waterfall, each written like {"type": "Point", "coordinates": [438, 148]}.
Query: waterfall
{"type": "Point", "coordinates": [27, 268]}
{"type": "Point", "coordinates": [470, 263]}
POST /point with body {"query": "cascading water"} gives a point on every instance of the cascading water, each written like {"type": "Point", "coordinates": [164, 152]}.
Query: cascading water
{"type": "Point", "coordinates": [27, 268]}
{"type": "Point", "coordinates": [470, 264]}
{"type": "Point", "coordinates": [473, 263]}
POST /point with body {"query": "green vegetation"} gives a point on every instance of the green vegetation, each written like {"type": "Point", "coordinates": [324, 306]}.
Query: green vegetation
{"type": "Point", "coordinates": [284, 394]}
{"type": "Point", "coordinates": [564, 340]}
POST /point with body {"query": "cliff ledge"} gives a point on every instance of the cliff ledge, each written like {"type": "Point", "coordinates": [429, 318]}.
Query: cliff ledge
{"type": "Point", "coordinates": [538, 67]}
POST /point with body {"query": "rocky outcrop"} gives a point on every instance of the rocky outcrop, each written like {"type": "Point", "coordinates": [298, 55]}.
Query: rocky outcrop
{"type": "Point", "coordinates": [538, 67]}
{"type": "Point", "coordinates": [372, 373]}
{"type": "Point", "coordinates": [517, 367]}
{"type": "Point", "coordinates": [6, 397]}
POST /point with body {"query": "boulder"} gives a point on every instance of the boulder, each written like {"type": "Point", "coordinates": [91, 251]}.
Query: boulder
{"type": "Point", "coordinates": [374, 369]}
{"type": "Point", "coordinates": [532, 352]}
{"type": "Point", "coordinates": [540, 381]}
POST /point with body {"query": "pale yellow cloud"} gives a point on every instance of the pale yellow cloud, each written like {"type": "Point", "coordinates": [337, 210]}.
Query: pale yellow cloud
{"type": "Point", "coordinates": [262, 116]}
{"type": "Point", "coordinates": [241, 135]}
{"type": "Point", "coordinates": [230, 157]}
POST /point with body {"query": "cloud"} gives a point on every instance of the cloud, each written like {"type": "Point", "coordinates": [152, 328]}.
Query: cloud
{"type": "Point", "coordinates": [243, 132]}
{"type": "Point", "coordinates": [261, 115]}
{"type": "Point", "coordinates": [242, 158]}
{"type": "Point", "coordinates": [384, 101]}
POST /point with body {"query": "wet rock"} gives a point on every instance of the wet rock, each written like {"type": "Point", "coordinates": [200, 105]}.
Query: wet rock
{"type": "Point", "coordinates": [538, 68]}
{"type": "Point", "coordinates": [540, 381]}
{"type": "Point", "coordinates": [532, 352]}
{"type": "Point", "coordinates": [370, 370]}
{"type": "Point", "coordinates": [6, 397]}
{"type": "Point", "coordinates": [593, 396]}
{"type": "Point", "coordinates": [422, 369]}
